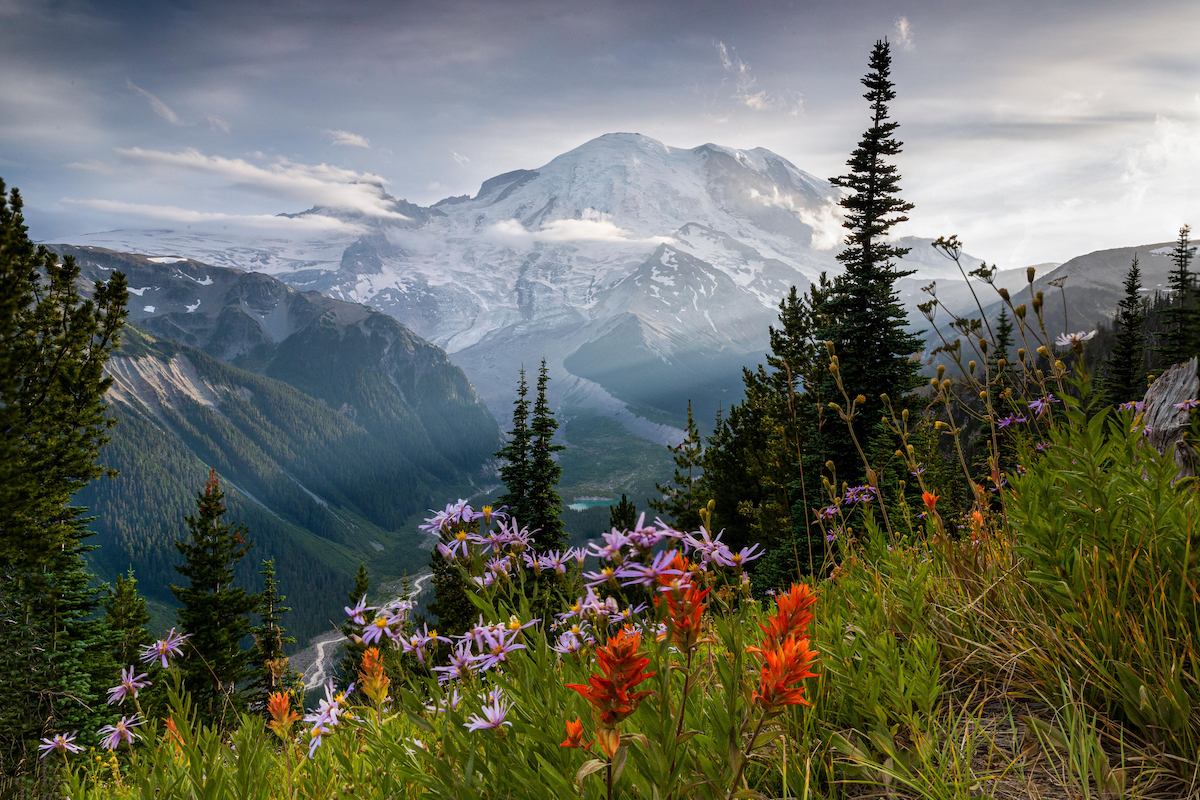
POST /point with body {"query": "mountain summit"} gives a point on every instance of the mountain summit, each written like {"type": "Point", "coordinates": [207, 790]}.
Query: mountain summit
{"type": "Point", "coordinates": [645, 274]}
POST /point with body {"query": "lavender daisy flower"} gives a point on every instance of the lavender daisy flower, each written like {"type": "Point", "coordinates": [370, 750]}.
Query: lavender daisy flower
{"type": "Point", "coordinates": [448, 703]}
{"type": "Point", "coordinates": [417, 642]}
{"type": "Point", "coordinates": [495, 650]}
{"type": "Point", "coordinates": [379, 627]}
{"type": "Point", "coordinates": [828, 512]}
{"type": "Point", "coordinates": [356, 613]}
{"type": "Point", "coordinates": [128, 687]}
{"type": "Point", "coordinates": [494, 714]}
{"type": "Point", "coordinates": [59, 744]}
{"type": "Point", "coordinates": [1010, 420]}
{"type": "Point", "coordinates": [568, 642]}
{"type": "Point", "coordinates": [726, 558]}
{"type": "Point", "coordinates": [1041, 406]}
{"type": "Point", "coordinates": [648, 574]}
{"type": "Point", "coordinates": [703, 542]}
{"type": "Point", "coordinates": [1188, 405]}
{"type": "Point", "coordinates": [601, 577]}
{"type": "Point", "coordinates": [614, 541]}
{"type": "Point", "coordinates": [830, 538]}
{"type": "Point", "coordinates": [555, 561]}
{"type": "Point", "coordinates": [317, 733]}
{"type": "Point", "coordinates": [1073, 341]}
{"type": "Point", "coordinates": [460, 666]}
{"type": "Point", "coordinates": [121, 732]}
{"type": "Point", "coordinates": [459, 545]}
{"type": "Point", "coordinates": [163, 648]}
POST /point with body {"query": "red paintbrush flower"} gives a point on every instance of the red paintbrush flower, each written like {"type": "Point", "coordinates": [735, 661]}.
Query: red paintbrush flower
{"type": "Point", "coordinates": [781, 682]}
{"type": "Point", "coordinates": [791, 618]}
{"type": "Point", "coordinates": [575, 735]}
{"type": "Point", "coordinates": [622, 670]}
{"type": "Point", "coordinates": [930, 500]}
{"type": "Point", "coordinates": [686, 610]}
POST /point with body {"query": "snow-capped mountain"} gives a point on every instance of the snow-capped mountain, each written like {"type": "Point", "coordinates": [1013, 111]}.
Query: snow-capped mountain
{"type": "Point", "coordinates": [650, 270]}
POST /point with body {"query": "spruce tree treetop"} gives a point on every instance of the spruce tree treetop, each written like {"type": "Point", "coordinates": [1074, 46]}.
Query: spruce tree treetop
{"type": "Point", "coordinates": [683, 498]}
{"type": "Point", "coordinates": [213, 610]}
{"type": "Point", "coordinates": [514, 472]}
{"type": "Point", "coordinates": [1125, 376]}
{"type": "Point", "coordinates": [268, 662]}
{"type": "Point", "coordinates": [127, 618]}
{"type": "Point", "coordinates": [53, 347]}
{"type": "Point", "coordinates": [866, 320]}
{"type": "Point", "coordinates": [622, 515]}
{"type": "Point", "coordinates": [1181, 339]}
{"type": "Point", "coordinates": [544, 510]}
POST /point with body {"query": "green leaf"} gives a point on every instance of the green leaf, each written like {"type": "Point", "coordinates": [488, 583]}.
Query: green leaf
{"type": "Point", "coordinates": [590, 766]}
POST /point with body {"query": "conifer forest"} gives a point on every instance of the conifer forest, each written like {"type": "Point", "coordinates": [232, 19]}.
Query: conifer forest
{"type": "Point", "coordinates": [931, 538]}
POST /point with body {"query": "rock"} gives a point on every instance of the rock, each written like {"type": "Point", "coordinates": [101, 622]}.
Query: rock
{"type": "Point", "coordinates": [1166, 424]}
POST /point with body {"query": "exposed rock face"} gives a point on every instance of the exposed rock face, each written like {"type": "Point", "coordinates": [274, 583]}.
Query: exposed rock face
{"type": "Point", "coordinates": [1167, 424]}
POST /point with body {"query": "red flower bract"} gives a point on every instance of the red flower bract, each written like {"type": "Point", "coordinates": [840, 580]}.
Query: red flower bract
{"type": "Point", "coordinates": [622, 667]}
{"type": "Point", "coordinates": [786, 666]}
{"type": "Point", "coordinates": [791, 618]}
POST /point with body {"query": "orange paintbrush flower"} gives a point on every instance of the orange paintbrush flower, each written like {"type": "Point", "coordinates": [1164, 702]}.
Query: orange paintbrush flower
{"type": "Point", "coordinates": [279, 706]}
{"type": "Point", "coordinates": [792, 615]}
{"type": "Point", "coordinates": [575, 735]}
{"type": "Point", "coordinates": [930, 500]}
{"type": "Point", "coordinates": [686, 610]}
{"type": "Point", "coordinates": [371, 678]}
{"type": "Point", "coordinates": [785, 668]}
{"type": "Point", "coordinates": [622, 667]}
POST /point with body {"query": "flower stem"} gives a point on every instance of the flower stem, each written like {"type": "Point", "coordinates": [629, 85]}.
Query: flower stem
{"type": "Point", "coordinates": [746, 757]}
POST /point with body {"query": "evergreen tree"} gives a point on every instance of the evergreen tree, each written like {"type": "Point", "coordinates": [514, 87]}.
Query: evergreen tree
{"type": "Point", "coordinates": [1125, 377]}
{"type": "Point", "coordinates": [454, 611]}
{"type": "Point", "coordinates": [127, 618]}
{"type": "Point", "coordinates": [1181, 320]}
{"type": "Point", "coordinates": [623, 515]}
{"type": "Point", "coordinates": [214, 611]}
{"type": "Point", "coordinates": [54, 649]}
{"type": "Point", "coordinates": [269, 668]}
{"type": "Point", "coordinates": [867, 320]}
{"type": "Point", "coordinates": [543, 505]}
{"type": "Point", "coordinates": [683, 498]}
{"type": "Point", "coordinates": [514, 472]}
{"type": "Point", "coordinates": [352, 650]}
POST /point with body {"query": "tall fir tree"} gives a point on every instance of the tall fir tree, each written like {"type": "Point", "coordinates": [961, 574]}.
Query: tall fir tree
{"type": "Point", "coordinates": [1181, 319]}
{"type": "Point", "coordinates": [543, 513]}
{"type": "Point", "coordinates": [622, 515]}
{"type": "Point", "coordinates": [867, 321]}
{"type": "Point", "coordinates": [269, 670]}
{"type": "Point", "coordinates": [352, 651]}
{"type": "Point", "coordinates": [1125, 375]}
{"type": "Point", "coordinates": [514, 472]}
{"type": "Point", "coordinates": [55, 657]}
{"type": "Point", "coordinates": [683, 498]}
{"type": "Point", "coordinates": [127, 618]}
{"type": "Point", "coordinates": [213, 610]}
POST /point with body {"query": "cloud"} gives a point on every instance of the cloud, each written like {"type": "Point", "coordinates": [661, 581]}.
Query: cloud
{"type": "Point", "coordinates": [91, 165]}
{"type": "Point", "coordinates": [160, 108]}
{"type": "Point", "coordinates": [826, 220]}
{"type": "Point", "coordinates": [319, 185]}
{"type": "Point", "coordinates": [218, 124]}
{"type": "Point", "coordinates": [594, 227]}
{"type": "Point", "coordinates": [311, 223]}
{"type": "Point", "coordinates": [744, 83]}
{"type": "Point", "coordinates": [461, 159]}
{"type": "Point", "coordinates": [904, 35]}
{"type": "Point", "coordinates": [348, 139]}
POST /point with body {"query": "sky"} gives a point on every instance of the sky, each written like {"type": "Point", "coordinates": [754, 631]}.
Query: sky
{"type": "Point", "coordinates": [1034, 131]}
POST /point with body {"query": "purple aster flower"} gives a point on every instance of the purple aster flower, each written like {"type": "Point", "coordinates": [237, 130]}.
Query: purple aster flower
{"type": "Point", "coordinates": [830, 538]}
{"type": "Point", "coordinates": [449, 702]}
{"type": "Point", "coordinates": [1073, 341]}
{"type": "Point", "coordinates": [648, 574]}
{"type": "Point", "coordinates": [703, 542]}
{"type": "Point", "coordinates": [317, 733]}
{"type": "Point", "coordinates": [568, 642]}
{"type": "Point", "coordinates": [417, 642]}
{"type": "Point", "coordinates": [128, 687]}
{"type": "Point", "coordinates": [1188, 405]}
{"type": "Point", "coordinates": [614, 541]}
{"type": "Point", "coordinates": [860, 494]}
{"type": "Point", "coordinates": [499, 564]}
{"type": "Point", "coordinates": [494, 713]}
{"type": "Point", "coordinates": [727, 558]}
{"type": "Point", "coordinates": [460, 665]}
{"type": "Point", "coordinates": [380, 626]}
{"type": "Point", "coordinates": [1135, 405]}
{"type": "Point", "coordinates": [485, 581]}
{"type": "Point", "coordinates": [828, 512]}
{"type": "Point", "coordinates": [356, 613]}
{"type": "Point", "coordinates": [555, 561]}
{"type": "Point", "coordinates": [918, 472]}
{"type": "Point", "coordinates": [1010, 420]}
{"type": "Point", "coordinates": [59, 744]}
{"type": "Point", "coordinates": [1041, 406]}
{"type": "Point", "coordinates": [435, 524]}
{"type": "Point", "coordinates": [459, 545]}
{"type": "Point", "coordinates": [163, 648]}
{"type": "Point", "coordinates": [496, 648]}
{"type": "Point", "coordinates": [121, 732]}
{"type": "Point", "coordinates": [599, 578]}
